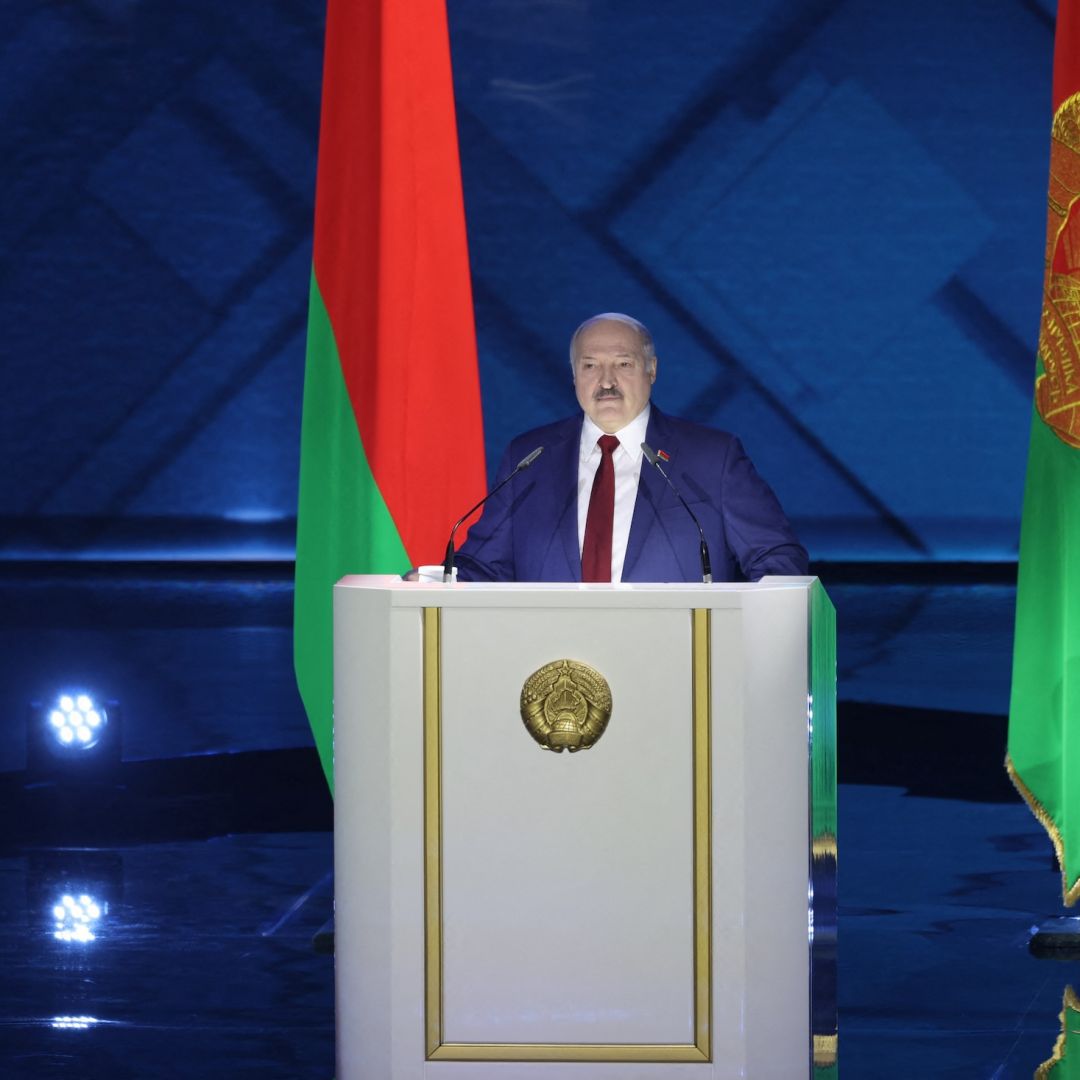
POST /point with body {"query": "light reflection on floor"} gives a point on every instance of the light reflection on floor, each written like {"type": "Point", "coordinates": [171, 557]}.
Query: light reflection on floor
{"type": "Point", "coordinates": [203, 965]}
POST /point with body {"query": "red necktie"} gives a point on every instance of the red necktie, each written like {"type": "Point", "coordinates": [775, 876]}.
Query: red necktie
{"type": "Point", "coordinates": [596, 549]}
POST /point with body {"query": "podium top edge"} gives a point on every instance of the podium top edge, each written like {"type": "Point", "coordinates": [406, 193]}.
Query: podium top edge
{"type": "Point", "coordinates": [690, 594]}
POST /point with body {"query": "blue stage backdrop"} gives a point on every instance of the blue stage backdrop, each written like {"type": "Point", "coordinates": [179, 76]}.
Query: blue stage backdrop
{"type": "Point", "coordinates": [831, 214]}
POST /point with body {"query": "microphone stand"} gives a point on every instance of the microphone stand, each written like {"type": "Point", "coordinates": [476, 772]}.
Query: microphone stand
{"type": "Point", "coordinates": [448, 560]}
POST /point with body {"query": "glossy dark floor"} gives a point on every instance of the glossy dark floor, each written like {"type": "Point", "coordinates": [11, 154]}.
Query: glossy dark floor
{"type": "Point", "coordinates": [202, 964]}
{"type": "Point", "coordinates": [207, 853]}
{"type": "Point", "coordinates": [937, 898]}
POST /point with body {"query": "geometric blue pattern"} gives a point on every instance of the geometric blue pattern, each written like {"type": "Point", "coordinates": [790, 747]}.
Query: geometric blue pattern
{"type": "Point", "coordinates": [830, 214]}
{"type": "Point", "coordinates": [178, 165]}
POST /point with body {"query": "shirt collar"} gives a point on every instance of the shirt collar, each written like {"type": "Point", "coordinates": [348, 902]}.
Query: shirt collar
{"type": "Point", "coordinates": [630, 437]}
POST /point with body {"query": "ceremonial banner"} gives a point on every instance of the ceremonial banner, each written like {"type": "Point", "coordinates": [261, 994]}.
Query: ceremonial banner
{"type": "Point", "coordinates": [392, 438]}
{"type": "Point", "coordinates": [1044, 711]}
{"type": "Point", "coordinates": [1064, 1063]}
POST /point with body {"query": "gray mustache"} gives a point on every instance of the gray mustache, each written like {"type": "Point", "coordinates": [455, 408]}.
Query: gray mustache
{"type": "Point", "coordinates": [607, 393]}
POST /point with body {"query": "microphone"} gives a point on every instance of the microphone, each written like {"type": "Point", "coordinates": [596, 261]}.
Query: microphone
{"type": "Point", "coordinates": [654, 460]}
{"type": "Point", "coordinates": [448, 560]}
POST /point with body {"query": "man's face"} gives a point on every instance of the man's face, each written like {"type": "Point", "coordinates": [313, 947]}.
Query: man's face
{"type": "Point", "coordinates": [612, 378]}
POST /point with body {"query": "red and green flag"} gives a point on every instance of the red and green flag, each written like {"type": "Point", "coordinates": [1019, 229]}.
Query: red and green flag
{"type": "Point", "coordinates": [392, 440]}
{"type": "Point", "coordinates": [1044, 711]}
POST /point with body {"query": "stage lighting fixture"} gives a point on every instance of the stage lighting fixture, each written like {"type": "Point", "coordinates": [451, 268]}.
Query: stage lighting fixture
{"type": "Point", "coordinates": [77, 722]}
{"type": "Point", "coordinates": [76, 734]}
{"type": "Point", "coordinates": [76, 917]}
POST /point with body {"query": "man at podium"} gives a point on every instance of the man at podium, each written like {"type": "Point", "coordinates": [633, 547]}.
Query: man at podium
{"type": "Point", "coordinates": [595, 505]}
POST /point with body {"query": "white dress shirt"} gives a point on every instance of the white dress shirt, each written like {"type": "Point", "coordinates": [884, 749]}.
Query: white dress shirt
{"type": "Point", "coordinates": [627, 461]}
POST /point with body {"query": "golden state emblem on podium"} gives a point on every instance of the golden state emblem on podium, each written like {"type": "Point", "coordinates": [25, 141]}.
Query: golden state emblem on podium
{"type": "Point", "coordinates": [566, 705]}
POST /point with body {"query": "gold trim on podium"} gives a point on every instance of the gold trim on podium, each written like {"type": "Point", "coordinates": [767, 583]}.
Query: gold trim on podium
{"type": "Point", "coordinates": [433, 950]}
{"type": "Point", "coordinates": [701, 650]}
{"type": "Point", "coordinates": [701, 719]}
{"type": "Point", "coordinates": [640, 1052]}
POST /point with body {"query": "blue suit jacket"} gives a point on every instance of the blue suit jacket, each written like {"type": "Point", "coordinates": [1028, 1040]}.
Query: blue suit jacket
{"type": "Point", "coordinates": [529, 530]}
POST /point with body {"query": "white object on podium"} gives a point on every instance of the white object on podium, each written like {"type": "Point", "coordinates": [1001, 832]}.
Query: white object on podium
{"type": "Point", "coordinates": [641, 908]}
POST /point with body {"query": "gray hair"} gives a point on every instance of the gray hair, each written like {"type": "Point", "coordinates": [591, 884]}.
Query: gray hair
{"type": "Point", "coordinates": [648, 348]}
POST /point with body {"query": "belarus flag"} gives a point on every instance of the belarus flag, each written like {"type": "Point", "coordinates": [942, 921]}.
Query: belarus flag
{"type": "Point", "coordinates": [392, 438]}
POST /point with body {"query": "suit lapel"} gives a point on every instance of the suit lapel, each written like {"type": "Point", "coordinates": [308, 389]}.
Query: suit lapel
{"type": "Point", "coordinates": [652, 493]}
{"type": "Point", "coordinates": [564, 470]}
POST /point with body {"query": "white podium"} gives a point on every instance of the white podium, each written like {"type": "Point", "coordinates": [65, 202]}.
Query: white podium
{"type": "Point", "coordinates": [640, 908]}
